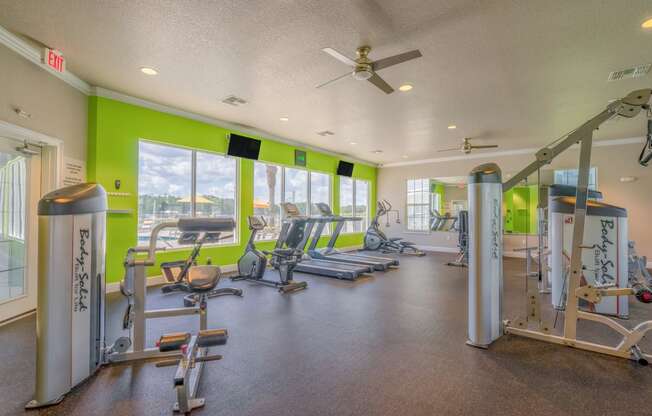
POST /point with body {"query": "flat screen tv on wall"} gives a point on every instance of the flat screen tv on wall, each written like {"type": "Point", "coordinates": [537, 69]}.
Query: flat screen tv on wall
{"type": "Point", "coordinates": [345, 168]}
{"type": "Point", "coordinates": [241, 146]}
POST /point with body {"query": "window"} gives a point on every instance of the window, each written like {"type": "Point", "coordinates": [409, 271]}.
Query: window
{"type": "Point", "coordinates": [361, 192]}
{"type": "Point", "coordinates": [167, 176]}
{"type": "Point", "coordinates": [275, 184]}
{"type": "Point", "coordinates": [13, 177]}
{"type": "Point", "coordinates": [418, 204]}
{"type": "Point", "coordinates": [354, 202]}
{"type": "Point", "coordinates": [267, 198]}
{"type": "Point", "coordinates": [320, 191]}
{"type": "Point", "coordinates": [296, 188]}
{"type": "Point", "coordinates": [570, 177]}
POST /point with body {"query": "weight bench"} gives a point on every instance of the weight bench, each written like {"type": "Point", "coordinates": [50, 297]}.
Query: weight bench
{"type": "Point", "coordinates": [194, 349]}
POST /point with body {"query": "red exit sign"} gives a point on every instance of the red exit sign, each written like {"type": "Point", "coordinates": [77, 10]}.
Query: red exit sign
{"type": "Point", "coordinates": [54, 59]}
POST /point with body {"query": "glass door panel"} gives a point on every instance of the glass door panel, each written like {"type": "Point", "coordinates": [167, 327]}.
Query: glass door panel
{"type": "Point", "coordinates": [19, 193]}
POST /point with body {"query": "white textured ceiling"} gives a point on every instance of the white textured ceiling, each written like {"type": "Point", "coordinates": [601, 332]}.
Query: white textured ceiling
{"type": "Point", "coordinates": [515, 73]}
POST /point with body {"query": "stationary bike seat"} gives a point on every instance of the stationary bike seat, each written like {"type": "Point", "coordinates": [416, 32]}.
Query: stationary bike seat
{"type": "Point", "coordinates": [203, 278]}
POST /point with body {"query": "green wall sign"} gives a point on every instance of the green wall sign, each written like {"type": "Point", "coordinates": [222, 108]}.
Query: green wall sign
{"type": "Point", "coordinates": [299, 157]}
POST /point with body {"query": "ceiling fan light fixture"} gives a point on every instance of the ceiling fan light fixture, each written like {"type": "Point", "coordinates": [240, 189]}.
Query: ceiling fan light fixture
{"type": "Point", "coordinates": [452, 127]}
{"type": "Point", "coordinates": [362, 74]}
{"type": "Point", "coordinates": [284, 119]}
{"type": "Point", "coordinates": [405, 87]}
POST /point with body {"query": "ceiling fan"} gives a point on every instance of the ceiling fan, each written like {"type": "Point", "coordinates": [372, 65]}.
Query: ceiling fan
{"type": "Point", "coordinates": [365, 69]}
{"type": "Point", "coordinates": [467, 147]}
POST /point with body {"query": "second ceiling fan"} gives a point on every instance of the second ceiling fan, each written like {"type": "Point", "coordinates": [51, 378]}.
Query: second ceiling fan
{"type": "Point", "coordinates": [365, 69]}
{"type": "Point", "coordinates": [466, 147]}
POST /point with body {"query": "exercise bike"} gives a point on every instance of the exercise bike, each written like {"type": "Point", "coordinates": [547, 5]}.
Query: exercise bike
{"type": "Point", "coordinates": [176, 272]}
{"type": "Point", "coordinates": [253, 263]}
{"type": "Point", "coordinates": [375, 239]}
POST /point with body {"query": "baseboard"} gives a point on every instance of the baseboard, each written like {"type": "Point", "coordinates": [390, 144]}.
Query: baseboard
{"type": "Point", "coordinates": [443, 249]}
{"type": "Point", "coordinates": [159, 280]}
{"type": "Point", "coordinates": [438, 249]}
{"type": "Point", "coordinates": [18, 317]}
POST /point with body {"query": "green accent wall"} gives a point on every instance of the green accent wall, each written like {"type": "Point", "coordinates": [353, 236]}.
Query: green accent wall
{"type": "Point", "coordinates": [114, 129]}
{"type": "Point", "coordinates": [438, 188]}
{"type": "Point", "coordinates": [520, 205]}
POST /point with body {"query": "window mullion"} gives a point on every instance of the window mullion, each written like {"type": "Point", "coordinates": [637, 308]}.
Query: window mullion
{"type": "Point", "coordinates": [193, 184]}
{"type": "Point", "coordinates": [309, 195]}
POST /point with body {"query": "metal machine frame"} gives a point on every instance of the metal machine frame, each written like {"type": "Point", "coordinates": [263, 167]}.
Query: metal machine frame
{"type": "Point", "coordinates": [628, 106]}
{"type": "Point", "coordinates": [255, 260]}
{"type": "Point", "coordinates": [190, 358]}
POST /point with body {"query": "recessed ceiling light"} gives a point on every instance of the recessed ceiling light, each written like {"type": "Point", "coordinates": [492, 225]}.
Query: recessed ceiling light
{"type": "Point", "coordinates": [353, 143]}
{"type": "Point", "coordinates": [377, 151]}
{"type": "Point", "coordinates": [284, 119]}
{"type": "Point", "coordinates": [405, 87]}
{"type": "Point", "coordinates": [148, 71]}
{"type": "Point", "coordinates": [647, 24]}
{"type": "Point", "coordinates": [404, 156]}
{"type": "Point", "coordinates": [452, 127]}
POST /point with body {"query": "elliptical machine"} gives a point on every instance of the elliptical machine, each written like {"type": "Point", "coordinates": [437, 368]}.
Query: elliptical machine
{"type": "Point", "coordinates": [463, 240]}
{"type": "Point", "coordinates": [252, 264]}
{"type": "Point", "coordinates": [375, 239]}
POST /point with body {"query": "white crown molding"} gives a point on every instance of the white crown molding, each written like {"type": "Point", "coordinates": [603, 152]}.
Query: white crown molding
{"type": "Point", "coordinates": [125, 98]}
{"type": "Point", "coordinates": [526, 151]}
{"type": "Point", "coordinates": [15, 132]}
{"type": "Point", "coordinates": [34, 55]}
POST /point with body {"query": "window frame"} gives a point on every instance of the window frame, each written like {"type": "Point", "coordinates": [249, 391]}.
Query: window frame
{"type": "Point", "coordinates": [354, 204]}
{"type": "Point", "coordinates": [283, 167]}
{"type": "Point", "coordinates": [427, 205]}
{"type": "Point", "coordinates": [592, 169]}
{"type": "Point", "coordinates": [193, 191]}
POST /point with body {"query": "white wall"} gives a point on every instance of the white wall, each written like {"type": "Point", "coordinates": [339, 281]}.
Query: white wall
{"type": "Point", "coordinates": [58, 110]}
{"type": "Point", "coordinates": [613, 162]}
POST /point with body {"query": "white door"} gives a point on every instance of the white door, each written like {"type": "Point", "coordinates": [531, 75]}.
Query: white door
{"type": "Point", "coordinates": [20, 179]}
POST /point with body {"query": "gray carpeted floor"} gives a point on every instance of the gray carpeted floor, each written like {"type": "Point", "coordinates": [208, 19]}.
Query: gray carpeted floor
{"type": "Point", "coordinates": [384, 345]}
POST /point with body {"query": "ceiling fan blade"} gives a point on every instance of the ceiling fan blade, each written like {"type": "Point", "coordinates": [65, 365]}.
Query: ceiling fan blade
{"type": "Point", "coordinates": [449, 150]}
{"type": "Point", "coordinates": [380, 83]}
{"type": "Point", "coordinates": [484, 146]}
{"type": "Point", "coordinates": [342, 58]}
{"type": "Point", "coordinates": [396, 59]}
{"type": "Point", "coordinates": [333, 80]}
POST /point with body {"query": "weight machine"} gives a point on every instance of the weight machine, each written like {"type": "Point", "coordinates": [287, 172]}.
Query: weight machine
{"type": "Point", "coordinates": [485, 323]}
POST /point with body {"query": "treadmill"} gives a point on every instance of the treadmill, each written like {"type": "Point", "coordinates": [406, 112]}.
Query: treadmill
{"type": "Point", "coordinates": [331, 253]}
{"type": "Point", "coordinates": [295, 232]}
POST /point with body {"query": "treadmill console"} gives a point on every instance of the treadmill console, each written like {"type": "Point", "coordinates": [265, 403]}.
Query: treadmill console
{"type": "Point", "coordinates": [291, 210]}
{"type": "Point", "coordinates": [324, 209]}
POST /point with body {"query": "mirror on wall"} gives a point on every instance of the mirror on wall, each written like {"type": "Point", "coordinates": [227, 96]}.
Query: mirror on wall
{"type": "Point", "coordinates": [448, 196]}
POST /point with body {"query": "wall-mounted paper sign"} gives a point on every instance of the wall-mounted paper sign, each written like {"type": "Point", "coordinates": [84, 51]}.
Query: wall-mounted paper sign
{"type": "Point", "coordinates": [74, 171]}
